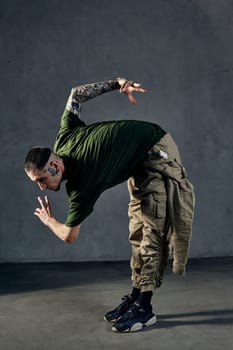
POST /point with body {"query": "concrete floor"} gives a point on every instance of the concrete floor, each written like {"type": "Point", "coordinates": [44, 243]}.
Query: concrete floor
{"type": "Point", "coordinates": [61, 306]}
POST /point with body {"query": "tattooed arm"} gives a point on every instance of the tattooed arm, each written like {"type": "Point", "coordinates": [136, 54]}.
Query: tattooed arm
{"type": "Point", "coordinates": [82, 93]}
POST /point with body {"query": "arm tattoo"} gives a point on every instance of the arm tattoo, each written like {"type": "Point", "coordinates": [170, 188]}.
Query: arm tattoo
{"type": "Point", "coordinates": [85, 92]}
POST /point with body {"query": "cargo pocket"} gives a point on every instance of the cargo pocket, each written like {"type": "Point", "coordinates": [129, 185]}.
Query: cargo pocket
{"type": "Point", "coordinates": [160, 205]}
{"type": "Point", "coordinates": [154, 211]}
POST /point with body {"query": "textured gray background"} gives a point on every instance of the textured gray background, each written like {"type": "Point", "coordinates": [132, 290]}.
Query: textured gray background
{"type": "Point", "coordinates": [181, 50]}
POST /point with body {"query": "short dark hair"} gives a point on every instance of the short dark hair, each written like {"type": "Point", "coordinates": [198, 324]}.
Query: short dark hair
{"type": "Point", "coordinates": [36, 158]}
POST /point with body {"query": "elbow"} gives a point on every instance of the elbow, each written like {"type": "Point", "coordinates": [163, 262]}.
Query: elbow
{"type": "Point", "coordinates": [71, 97]}
{"type": "Point", "coordinates": [69, 240]}
{"type": "Point", "coordinates": [72, 92]}
{"type": "Point", "coordinates": [72, 236]}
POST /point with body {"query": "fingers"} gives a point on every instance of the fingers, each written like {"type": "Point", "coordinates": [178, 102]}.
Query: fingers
{"type": "Point", "coordinates": [44, 213]}
{"type": "Point", "coordinates": [129, 92]}
{"type": "Point", "coordinates": [131, 99]}
{"type": "Point", "coordinates": [47, 201]}
{"type": "Point", "coordinates": [128, 87]}
{"type": "Point", "coordinates": [48, 205]}
{"type": "Point", "coordinates": [139, 89]}
{"type": "Point", "coordinates": [41, 202]}
{"type": "Point", "coordinates": [45, 205]}
{"type": "Point", "coordinates": [37, 211]}
{"type": "Point", "coordinates": [125, 85]}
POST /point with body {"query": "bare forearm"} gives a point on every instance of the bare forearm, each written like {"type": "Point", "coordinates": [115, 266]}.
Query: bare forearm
{"type": "Point", "coordinates": [63, 232]}
{"type": "Point", "coordinates": [45, 214]}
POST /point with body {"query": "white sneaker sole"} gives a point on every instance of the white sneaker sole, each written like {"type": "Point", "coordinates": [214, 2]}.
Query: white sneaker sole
{"type": "Point", "coordinates": [137, 326]}
{"type": "Point", "coordinates": [112, 321]}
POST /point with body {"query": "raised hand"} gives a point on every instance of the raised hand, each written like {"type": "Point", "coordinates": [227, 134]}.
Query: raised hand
{"type": "Point", "coordinates": [128, 87]}
{"type": "Point", "coordinates": [44, 213]}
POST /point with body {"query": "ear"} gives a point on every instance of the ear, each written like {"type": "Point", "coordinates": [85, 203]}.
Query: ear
{"type": "Point", "coordinates": [53, 168]}
{"type": "Point", "coordinates": [54, 164]}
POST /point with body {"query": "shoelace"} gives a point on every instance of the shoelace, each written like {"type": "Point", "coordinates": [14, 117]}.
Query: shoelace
{"type": "Point", "coordinates": [131, 313]}
{"type": "Point", "coordinates": [126, 297]}
{"type": "Point", "coordinates": [125, 300]}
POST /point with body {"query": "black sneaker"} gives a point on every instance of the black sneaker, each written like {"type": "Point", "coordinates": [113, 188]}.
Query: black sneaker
{"type": "Point", "coordinates": [134, 319]}
{"type": "Point", "coordinates": [114, 314]}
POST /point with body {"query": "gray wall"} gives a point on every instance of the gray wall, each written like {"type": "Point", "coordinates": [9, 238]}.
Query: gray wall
{"type": "Point", "coordinates": [181, 50]}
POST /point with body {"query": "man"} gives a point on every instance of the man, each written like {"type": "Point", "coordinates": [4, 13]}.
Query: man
{"type": "Point", "coordinates": [92, 159]}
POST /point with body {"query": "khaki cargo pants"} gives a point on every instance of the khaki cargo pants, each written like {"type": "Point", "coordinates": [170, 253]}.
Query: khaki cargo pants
{"type": "Point", "coordinates": [149, 221]}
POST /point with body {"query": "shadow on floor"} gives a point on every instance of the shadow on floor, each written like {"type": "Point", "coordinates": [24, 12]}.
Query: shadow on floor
{"type": "Point", "coordinates": [19, 278]}
{"type": "Point", "coordinates": [219, 317]}
{"type": "Point", "coordinates": [26, 277]}
{"type": "Point", "coordinates": [214, 317]}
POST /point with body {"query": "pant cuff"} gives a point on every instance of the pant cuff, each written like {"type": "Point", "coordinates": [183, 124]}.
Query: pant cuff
{"type": "Point", "coordinates": [136, 285]}
{"type": "Point", "coordinates": [148, 288]}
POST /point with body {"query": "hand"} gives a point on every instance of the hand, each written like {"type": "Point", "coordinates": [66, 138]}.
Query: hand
{"type": "Point", "coordinates": [44, 213]}
{"type": "Point", "coordinates": [128, 87]}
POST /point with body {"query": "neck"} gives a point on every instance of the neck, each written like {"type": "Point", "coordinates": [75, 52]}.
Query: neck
{"type": "Point", "coordinates": [63, 169]}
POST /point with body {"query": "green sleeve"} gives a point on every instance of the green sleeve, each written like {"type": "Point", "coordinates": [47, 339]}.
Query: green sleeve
{"type": "Point", "coordinates": [79, 94]}
{"type": "Point", "coordinates": [78, 209]}
{"type": "Point", "coordinates": [69, 120]}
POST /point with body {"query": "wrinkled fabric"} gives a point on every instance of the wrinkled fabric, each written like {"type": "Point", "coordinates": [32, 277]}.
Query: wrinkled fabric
{"type": "Point", "coordinates": [161, 214]}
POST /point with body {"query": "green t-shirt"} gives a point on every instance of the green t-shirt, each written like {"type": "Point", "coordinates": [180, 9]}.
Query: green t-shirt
{"type": "Point", "coordinates": [100, 156]}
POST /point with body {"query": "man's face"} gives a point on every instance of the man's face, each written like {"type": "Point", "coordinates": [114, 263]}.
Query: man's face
{"type": "Point", "coordinates": [49, 178]}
